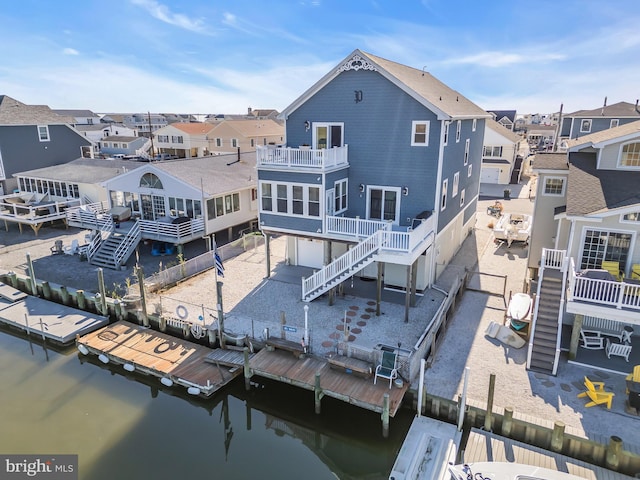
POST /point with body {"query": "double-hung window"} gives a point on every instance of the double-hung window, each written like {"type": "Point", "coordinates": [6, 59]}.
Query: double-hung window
{"type": "Point", "coordinates": [456, 183]}
{"type": "Point", "coordinates": [340, 193]}
{"type": "Point", "coordinates": [43, 133]}
{"type": "Point", "coordinates": [466, 152]}
{"type": "Point", "coordinates": [630, 155]}
{"type": "Point", "coordinates": [443, 200]}
{"type": "Point", "coordinates": [420, 133]}
{"type": "Point", "coordinates": [458, 130]}
{"type": "Point", "coordinates": [446, 133]}
{"type": "Point", "coordinates": [553, 186]}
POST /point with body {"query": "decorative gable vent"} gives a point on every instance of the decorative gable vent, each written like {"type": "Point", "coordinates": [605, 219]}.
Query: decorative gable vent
{"type": "Point", "coordinates": [357, 63]}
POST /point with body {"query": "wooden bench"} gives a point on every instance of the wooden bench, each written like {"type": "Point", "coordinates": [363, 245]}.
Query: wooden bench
{"type": "Point", "coordinates": [610, 328]}
{"type": "Point", "coordinates": [281, 344]}
{"type": "Point", "coordinates": [351, 365]}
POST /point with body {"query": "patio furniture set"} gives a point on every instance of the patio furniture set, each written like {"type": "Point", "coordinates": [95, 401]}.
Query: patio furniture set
{"type": "Point", "coordinates": [595, 333]}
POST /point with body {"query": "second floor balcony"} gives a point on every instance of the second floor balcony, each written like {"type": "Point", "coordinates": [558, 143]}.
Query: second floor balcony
{"type": "Point", "coordinates": [301, 157]}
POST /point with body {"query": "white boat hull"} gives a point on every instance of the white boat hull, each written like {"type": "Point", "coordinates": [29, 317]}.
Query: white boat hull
{"type": "Point", "coordinates": [507, 471]}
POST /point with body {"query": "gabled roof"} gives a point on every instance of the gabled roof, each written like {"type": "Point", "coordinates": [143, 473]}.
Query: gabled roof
{"type": "Point", "coordinates": [617, 110]}
{"type": "Point", "coordinates": [75, 113]}
{"type": "Point", "coordinates": [550, 161]}
{"type": "Point", "coordinates": [622, 132]}
{"type": "Point", "coordinates": [83, 170]}
{"type": "Point", "coordinates": [422, 86]}
{"type": "Point", "coordinates": [253, 128]}
{"type": "Point", "coordinates": [590, 190]}
{"type": "Point", "coordinates": [502, 130]}
{"type": "Point", "coordinates": [93, 127]}
{"type": "Point", "coordinates": [123, 138]}
{"type": "Point", "coordinates": [13, 112]}
{"type": "Point", "coordinates": [510, 114]}
{"type": "Point", "coordinates": [193, 128]}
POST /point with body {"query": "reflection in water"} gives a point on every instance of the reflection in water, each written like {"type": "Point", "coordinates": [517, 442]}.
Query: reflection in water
{"type": "Point", "coordinates": [128, 426]}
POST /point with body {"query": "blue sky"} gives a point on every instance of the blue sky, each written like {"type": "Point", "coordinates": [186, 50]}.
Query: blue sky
{"type": "Point", "coordinates": [214, 56]}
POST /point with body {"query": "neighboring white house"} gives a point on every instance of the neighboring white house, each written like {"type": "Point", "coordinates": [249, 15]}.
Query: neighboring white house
{"type": "Point", "coordinates": [81, 117]}
{"type": "Point", "coordinates": [499, 153]}
{"type": "Point", "coordinates": [184, 140]}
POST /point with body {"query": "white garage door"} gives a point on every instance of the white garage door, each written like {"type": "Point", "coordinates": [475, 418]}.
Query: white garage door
{"type": "Point", "coordinates": [310, 253]}
{"type": "Point", "coordinates": [490, 175]}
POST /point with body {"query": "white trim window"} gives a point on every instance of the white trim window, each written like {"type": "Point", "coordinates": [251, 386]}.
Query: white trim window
{"type": "Point", "coordinates": [629, 155]}
{"type": "Point", "coordinates": [218, 142]}
{"type": "Point", "coordinates": [252, 142]}
{"type": "Point", "coordinates": [446, 133]}
{"type": "Point", "coordinates": [456, 183]}
{"type": "Point", "coordinates": [466, 152]}
{"type": "Point", "coordinates": [458, 130]}
{"type": "Point", "coordinates": [234, 143]}
{"type": "Point", "coordinates": [599, 245]}
{"type": "Point", "coordinates": [420, 133]}
{"type": "Point", "coordinates": [491, 151]}
{"type": "Point", "coordinates": [462, 197]}
{"type": "Point", "coordinates": [443, 197]}
{"type": "Point", "coordinates": [340, 196]}
{"type": "Point", "coordinates": [553, 186]}
{"type": "Point", "coordinates": [163, 138]}
{"type": "Point", "coordinates": [327, 135]}
{"type": "Point", "coordinates": [614, 123]}
{"type": "Point", "coordinates": [297, 200]}
{"type": "Point", "coordinates": [470, 170]}
{"type": "Point", "coordinates": [474, 124]}
{"type": "Point", "coordinates": [631, 217]}
{"type": "Point", "coordinates": [177, 139]}
{"type": "Point", "coordinates": [585, 125]}
{"type": "Point", "coordinates": [43, 133]}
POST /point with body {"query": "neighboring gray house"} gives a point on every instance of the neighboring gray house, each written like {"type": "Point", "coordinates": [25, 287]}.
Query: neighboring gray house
{"type": "Point", "coordinates": [585, 242]}
{"type": "Point", "coordinates": [585, 122]}
{"type": "Point", "coordinates": [33, 136]}
{"type": "Point", "coordinates": [381, 168]}
{"type": "Point", "coordinates": [506, 118]}
{"type": "Point", "coordinates": [124, 145]}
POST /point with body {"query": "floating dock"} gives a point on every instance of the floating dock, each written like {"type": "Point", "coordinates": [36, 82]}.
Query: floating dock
{"type": "Point", "coordinates": [173, 360]}
{"type": "Point", "coordinates": [45, 319]}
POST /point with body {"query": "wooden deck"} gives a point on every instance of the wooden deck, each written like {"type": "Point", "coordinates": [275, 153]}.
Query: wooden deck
{"type": "Point", "coordinates": [488, 447]}
{"type": "Point", "coordinates": [301, 372]}
{"type": "Point", "coordinates": [154, 353]}
{"type": "Point", "coordinates": [44, 319]}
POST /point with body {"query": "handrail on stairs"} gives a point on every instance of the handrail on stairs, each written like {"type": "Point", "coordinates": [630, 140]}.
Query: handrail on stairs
{"type": "Point", "coordinates": [131, 238]}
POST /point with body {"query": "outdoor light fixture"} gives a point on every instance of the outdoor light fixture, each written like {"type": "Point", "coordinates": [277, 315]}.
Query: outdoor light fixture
{"type": "Point", "coordinates": [361, 187]}
{"type": "Point", "coordinates": [307, 125]}
{"type": "Point", "coordinates": [405, 191]}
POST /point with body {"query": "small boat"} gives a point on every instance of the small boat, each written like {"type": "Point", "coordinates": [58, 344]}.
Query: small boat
{"type": "Point", "coordinates": [513, 227]}
{"type": "Point", "coordinates": [507, 471]}
{"type": "Point", "coordinates": [505, 335]}
{"type": "Point", "coordinates": [519, 309]}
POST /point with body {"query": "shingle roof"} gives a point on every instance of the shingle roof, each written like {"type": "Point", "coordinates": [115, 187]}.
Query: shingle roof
{"type": "Point", "coordinates": [608, 134]}
{"type": "Point", "coordinates": [550, 161]}
{"type": "Point", "coordinates": [121, 138]}
{"type": "Point", "coordinates": [83, 170]}
{"type": "Point", "coordinates": [213, 174]}
{"type": "Point", "coordinates": [421, 85]}
{"type": "Point", "coordinates": [590, 190]}
{"type": "Point", "coordinates": [254, 128]}
{"type": "Point", "coordinates": [13, 112]}
{"type": "Point", "coordinates": [75, 113]}
{"type": "Point", "coordinates": [193, 128]}
{"type": "Point", "coordinates": [620, 109]}
{"type": "Point", "coordinates": [502, 130]}
{"type": "Point", "coordinates": [510, 114]}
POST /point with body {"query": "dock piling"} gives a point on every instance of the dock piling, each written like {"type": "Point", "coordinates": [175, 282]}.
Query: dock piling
{"type": "Point", "coordinates": [614, 449]}
{"type": "Point", "coordinates": [385, 416]}
{"type": "Point", "coordinates": [557, 437]}
{"type": "Point", "coordinates": [247, 369]}
{"type": "Point", "coordinates": [488, 418]}
{"type": "Point", "coordinates": [46, 290]}
{"type": "Point", "coordinates": [507, 421]}
{"type": "Point", "coordinates": [318, 394]}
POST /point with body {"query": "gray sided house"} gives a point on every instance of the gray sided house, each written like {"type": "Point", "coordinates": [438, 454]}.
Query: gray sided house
{"type": "Point", "coordinates": [584, 122]}
{"type": "Point", "coordinates": [33, 136]}
{"type": "Point", "coordinates": [382, 165]}
{"type": "Point", "coordinates": [585, 244]}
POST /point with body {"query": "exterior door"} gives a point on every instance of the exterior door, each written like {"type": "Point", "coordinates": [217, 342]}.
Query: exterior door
{"type": "Point", "coordinates": [327, 135]}
{"type": "Point", "coordinates": [152, 207]}
{"type": "Point", "coordinates": [383, 203]}
{"type": "Point", "coordinates": [329, 210]}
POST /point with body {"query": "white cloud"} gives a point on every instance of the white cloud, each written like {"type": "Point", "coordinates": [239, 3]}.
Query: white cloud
{"type": "Point", "coordinates": [164, 14]}
{"type": "Point", "coordinates": [70, 51]}
{"type": "Point", "coordinates": [502, 59]}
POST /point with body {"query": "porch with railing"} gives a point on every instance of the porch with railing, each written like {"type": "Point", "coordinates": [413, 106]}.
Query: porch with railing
{"type": "Point", "coordinates": [321, 158]}
{"type": "Point", "coordinates": [34, 211]}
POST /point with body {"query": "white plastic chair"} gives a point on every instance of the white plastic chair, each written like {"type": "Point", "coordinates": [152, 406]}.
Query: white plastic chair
{"type": "Point", "coordinates": [72, 249]}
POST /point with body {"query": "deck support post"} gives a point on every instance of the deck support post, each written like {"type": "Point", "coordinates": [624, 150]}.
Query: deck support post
{"type": "Point", "coordinates": [81, 300]}
{"type": "Point", "coordinates": [103, 293]}
{"type": "Point", "coordinates": [385, 416]}
{"type": "Point", "coordinates": [247, 369]}
{"type": "Point", "coordinates": [33, 286]}
{"type": "Point", "coordinates": [507, 421]}
{"type": "Point", "coordinates": [318, 393]}
{"type": "Point", "coordinates": [143, 300]}
{"type": "Point", "coordinates": [575, 336]}
{"type": "Point", "coordinates": [557, 437]}
{"type": "Point", "coordinates": [414, 282]}
{"type": "Point", "coordinates": [46, 290]}
{"type": "Point", "coordinates": [407, 295]}
{"type": "Point", "coordinates": [422, 391]}
{"type": "Point", "coordinates": [118, 309]}
{"type": "Point", "coordinates": [488, 418]}
{"type": "Point", "coordinates": [267, 254]}
{"type": "Point", "coordinates": [614, 449]}
{"type": "Point", "coordinates": [64, 295]}
{"type": "Point", "coordinates": [220, 314]}
{"type": "Point", "coordinates": [379, 288]}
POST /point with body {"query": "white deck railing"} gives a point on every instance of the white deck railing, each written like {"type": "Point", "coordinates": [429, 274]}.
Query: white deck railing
{"type": "Point", "coordinates": [128, 243]}
{"type": "Point", "coordinates": [552, 258]}
{"type": "Point", "coordinates": [301, 157]}
{"type": "Point", "coordinates": [355, 227]}
{"type": "Point", "coordinates": [176, 232]}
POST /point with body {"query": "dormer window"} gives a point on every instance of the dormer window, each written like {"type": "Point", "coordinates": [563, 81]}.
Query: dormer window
{"type": "Point", "coordinates": [630, 155]}
{"type": "Point", "coordinates": [585, 126]}
{"type": "Point", "coordinates": [631, 217]}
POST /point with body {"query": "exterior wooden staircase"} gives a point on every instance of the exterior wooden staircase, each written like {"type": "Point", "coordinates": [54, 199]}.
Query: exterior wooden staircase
{"type": "Point", "coordinates": [544, 341]}
{"type": "Point", "coordinates": [116, 248]}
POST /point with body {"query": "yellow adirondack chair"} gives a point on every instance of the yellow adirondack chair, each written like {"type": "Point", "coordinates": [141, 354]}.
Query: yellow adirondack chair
{"type": "Point", "coordinates": [613, 268]}
{"type": "Point", "coordinates": [634, 376]}
{"type": "Point", "coordinates": [635, 271]}
{"type": "Point", "coordinates": [597, 395]}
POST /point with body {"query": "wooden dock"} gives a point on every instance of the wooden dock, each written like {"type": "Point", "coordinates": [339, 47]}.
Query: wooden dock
{"type": "Point", "coordinates": [44, 319]}
{"type": "Point", "coordinates": [146, 351]}
{"type": "Point", "coordinates": [285, 367]}
{"type": "Point", "coordinates": [484, 446]}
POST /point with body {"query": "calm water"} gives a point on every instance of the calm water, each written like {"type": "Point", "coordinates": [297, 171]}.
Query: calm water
{"type": "Point", "coordinates": [126, 427]}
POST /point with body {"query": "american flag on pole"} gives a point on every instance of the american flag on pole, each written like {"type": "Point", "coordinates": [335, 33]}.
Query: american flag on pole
{"type": "Point", "coordinates": [218, 262]}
